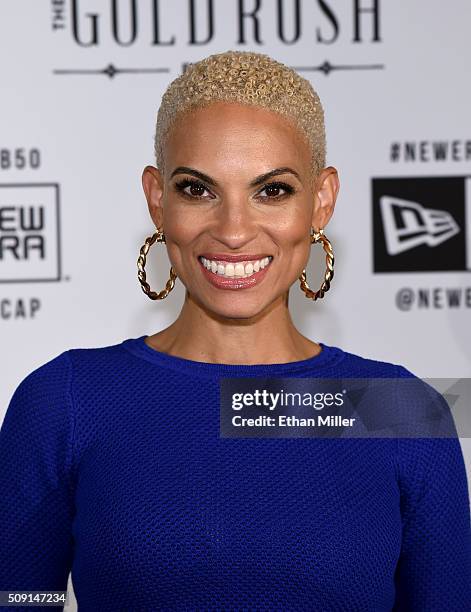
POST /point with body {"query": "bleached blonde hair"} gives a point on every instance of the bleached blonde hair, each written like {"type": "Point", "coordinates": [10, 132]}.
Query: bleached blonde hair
{"type": "Point", "coordinates": [248, 78]}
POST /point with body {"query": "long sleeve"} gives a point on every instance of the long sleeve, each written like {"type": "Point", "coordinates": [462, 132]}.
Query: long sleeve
{"type": "Point", "coordinates": [434, 570]}
{"type": "Point", "coordinates": [36, 484]}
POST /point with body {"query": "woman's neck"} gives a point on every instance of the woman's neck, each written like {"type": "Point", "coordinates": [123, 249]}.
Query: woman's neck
{"type": "Point", "coordinates": [202, 335]}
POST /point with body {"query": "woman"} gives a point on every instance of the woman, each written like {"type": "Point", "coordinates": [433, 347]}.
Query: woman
{"type": "Point", "coordinates": [112, 462]}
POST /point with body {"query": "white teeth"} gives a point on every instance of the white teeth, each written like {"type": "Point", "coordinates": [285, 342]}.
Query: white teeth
{"type": "Point", "coordinates": [240, 269]}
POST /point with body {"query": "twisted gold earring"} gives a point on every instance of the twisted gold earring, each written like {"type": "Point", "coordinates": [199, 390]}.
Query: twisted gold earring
{"type": "Point", "coordinates": [158, 236]}
{"type": "Point", "coordinates": [329, 260]}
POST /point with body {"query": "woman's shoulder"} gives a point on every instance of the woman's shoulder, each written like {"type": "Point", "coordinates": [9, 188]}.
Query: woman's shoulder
{"type": "Point", "coordinates": [57, 370]}
{"type": "Point", "coordinates": [413, 405]}
{"type": "Point", "coordinates": [45, 395]}
{"type": "Point", "coordinates": [407, 389]}
{"type": "Point", "coordinates": [362, 365]}
{"type": "Point", "coordinates": [96, 355]}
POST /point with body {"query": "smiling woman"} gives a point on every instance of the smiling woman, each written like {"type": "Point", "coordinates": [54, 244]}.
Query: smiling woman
{"type": "Point", "coordinates": [112, 460]}
{"type": "Point", "coordinates": [239, 194]}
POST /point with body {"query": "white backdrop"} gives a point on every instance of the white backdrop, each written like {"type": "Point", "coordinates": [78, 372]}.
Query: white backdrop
{"type": "Point", "coordinates": [80, 88]}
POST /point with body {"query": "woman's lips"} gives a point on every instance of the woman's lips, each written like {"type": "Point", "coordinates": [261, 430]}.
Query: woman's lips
{"type": "Point", "coordinates": [233, 258]}
{"type": "Point", "coordinates": [230, 282]}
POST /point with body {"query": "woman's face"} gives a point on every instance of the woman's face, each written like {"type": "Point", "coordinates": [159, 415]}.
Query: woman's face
{"type": "Point", "coordinates": [215, 200]}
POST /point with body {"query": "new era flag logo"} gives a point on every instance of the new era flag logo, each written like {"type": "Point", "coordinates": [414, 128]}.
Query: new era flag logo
{"type": "Point", "coordinates": [408, 224]}
{"type": "Point", "coordinates": [422, 224]}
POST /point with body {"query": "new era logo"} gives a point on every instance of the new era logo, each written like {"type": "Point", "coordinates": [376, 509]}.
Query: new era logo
{"type": "Point", "coordinates": [29, 232]}
{"type": "Point", "coordinates": [408, 224]}
{"type": "Point", "coordinates": [421, 224]}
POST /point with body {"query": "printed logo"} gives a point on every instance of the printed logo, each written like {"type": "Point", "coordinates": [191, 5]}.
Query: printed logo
{"type": "Point", "coordinates": [29, 233]}
{"type": "Point", "coordinates": [407, 224]}
{"type": "Point", "coordinates": [422, 224]}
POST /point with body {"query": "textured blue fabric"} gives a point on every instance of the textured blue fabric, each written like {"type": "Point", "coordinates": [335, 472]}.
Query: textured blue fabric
{"type": "Point", "coordinates": [112, 467]}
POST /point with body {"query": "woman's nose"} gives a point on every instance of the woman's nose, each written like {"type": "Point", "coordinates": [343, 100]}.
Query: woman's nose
{"type": "Point", "coordinates": [235, 222]}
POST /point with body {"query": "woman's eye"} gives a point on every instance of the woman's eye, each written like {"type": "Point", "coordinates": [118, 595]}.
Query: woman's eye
{"type": "Point", "coordinates": [191, 188]}
{"type": "Point", "coordinates": [273, 190]}
{"type": "Point", "coordinates": [194, 190]}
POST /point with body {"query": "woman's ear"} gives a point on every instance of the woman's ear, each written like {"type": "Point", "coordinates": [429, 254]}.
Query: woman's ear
{"type": "Point", "coordinates": [152, 183]}
{"type": "Point", "coordinates": [326, 188]}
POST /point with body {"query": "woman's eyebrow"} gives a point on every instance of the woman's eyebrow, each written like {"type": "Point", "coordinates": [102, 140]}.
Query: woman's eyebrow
{"type": "Point", "coordinates": [197, 173]}
{"type": "Point", "coordinates": [263, 177]}
{"type": "Point", "coordinates": [257, 181]}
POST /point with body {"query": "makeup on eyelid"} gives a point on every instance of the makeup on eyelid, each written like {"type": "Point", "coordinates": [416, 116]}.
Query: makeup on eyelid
{"type": "Point", "coordinates": [180, 186]}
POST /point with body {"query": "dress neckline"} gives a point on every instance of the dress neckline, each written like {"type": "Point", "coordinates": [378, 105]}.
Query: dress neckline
{"type": "Point", "coordinates": [328, 356]}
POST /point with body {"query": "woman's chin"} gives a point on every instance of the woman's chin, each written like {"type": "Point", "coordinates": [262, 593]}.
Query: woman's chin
{"type": "Point", "coordinates": [232, 306]}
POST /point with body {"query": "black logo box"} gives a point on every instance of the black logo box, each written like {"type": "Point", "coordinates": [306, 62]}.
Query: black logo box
{"type": "Point", "coordinates": [441, 193]}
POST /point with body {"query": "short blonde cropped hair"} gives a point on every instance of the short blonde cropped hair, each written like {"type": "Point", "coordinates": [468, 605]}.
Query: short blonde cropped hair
{"type": "Point", "coordinates": [248, 78]}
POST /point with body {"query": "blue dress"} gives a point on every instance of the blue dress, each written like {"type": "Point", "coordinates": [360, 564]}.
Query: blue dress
{"type": "Point", "coordinates": [112, 467]}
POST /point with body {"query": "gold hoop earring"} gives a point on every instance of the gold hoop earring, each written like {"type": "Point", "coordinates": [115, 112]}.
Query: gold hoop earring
{"type": "Point", "coordinates": [158, 236]}
{"type": "Point", "coordinates": [329, 273]}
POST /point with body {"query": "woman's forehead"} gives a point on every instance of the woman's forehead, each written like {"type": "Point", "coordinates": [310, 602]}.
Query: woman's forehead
{"type": "Point", "coordinates": [236, 130]}
{"type": "Point", "coordinates": [228, 113]}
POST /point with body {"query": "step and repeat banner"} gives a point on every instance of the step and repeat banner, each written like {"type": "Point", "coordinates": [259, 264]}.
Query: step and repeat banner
{"type": "Point", "coordinates": [81, 82]}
